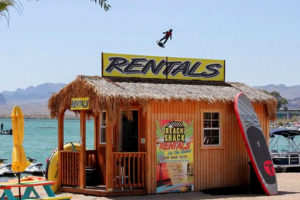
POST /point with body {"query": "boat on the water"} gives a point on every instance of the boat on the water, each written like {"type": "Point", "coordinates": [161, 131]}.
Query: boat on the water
{"type": "Point", "coordinates": [6, 132]}
{"type": "Point", "coordinates": [285, 149]}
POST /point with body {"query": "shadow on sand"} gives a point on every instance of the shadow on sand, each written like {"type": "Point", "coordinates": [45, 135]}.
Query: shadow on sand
{"type": "Point", "coordinates": [219, 193]}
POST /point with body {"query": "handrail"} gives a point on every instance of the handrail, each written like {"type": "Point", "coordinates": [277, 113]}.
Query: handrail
{"type": "Point", "coordinates": [129, 169]}
{"type": "Point", "coordinates": [288, 156]}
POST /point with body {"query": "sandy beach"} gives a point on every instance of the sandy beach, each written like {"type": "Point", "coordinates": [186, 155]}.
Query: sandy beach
{"type": "Point", "coordinates": [288, 187]}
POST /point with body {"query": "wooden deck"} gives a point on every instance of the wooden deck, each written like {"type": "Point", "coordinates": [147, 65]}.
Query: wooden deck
{"type": "Point", "coordinates": [100, 191]}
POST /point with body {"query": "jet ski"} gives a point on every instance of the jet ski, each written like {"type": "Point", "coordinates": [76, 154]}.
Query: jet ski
{"type": "Point", "coordinates": [6, 132]}
{"type": "Point", "coordinates": [34, 168]}
{"type": "Point", "coordinates": [5, 168]}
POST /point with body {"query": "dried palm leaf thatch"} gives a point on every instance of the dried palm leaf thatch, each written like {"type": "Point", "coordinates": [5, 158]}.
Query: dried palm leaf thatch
{"type": "Point", "coordinates": [109, 95]}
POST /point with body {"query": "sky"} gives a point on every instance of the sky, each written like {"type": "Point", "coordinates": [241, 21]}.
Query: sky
{"type": "Point", "coordinates": [56, 40]}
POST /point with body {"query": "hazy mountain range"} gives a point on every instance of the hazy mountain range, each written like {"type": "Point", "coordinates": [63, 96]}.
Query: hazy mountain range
{"type": "Point", "coordinates": [40, 92]}
{"type": "Point", "coordinates": [291, 93]}
{"type": "Point", "coordinates": [288, 92]}
{"type": "Point", "coordinates": [33, 100]}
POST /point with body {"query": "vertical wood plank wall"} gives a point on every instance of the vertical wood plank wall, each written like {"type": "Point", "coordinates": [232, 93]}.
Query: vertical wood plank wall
{"type": "Point", "coordinates": [223, 166]}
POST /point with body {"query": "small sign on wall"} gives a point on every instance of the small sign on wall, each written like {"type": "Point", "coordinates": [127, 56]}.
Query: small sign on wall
{"type": "Point", "coordinates": [80, 103]}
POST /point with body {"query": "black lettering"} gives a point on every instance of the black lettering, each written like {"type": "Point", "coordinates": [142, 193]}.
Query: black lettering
{"type": "Point", "coordinates": [213, 68]}
{"type": "Point", "coordinates": [135, 63]}
{"type": "Point", "coordinates": [170, 66]}
{"type": "Point", "coordinates": [192, 73]}
{"type": "Point", "coordinates": [116, 63]}
{"type": "Point", "coordinates": [155, 69]}
{"type": "Point", "coordinates": [74, 104]}
{"type": "Point", "coordinates": [183, 68]}
{"type": "Point", "coordinates": [85, 103]}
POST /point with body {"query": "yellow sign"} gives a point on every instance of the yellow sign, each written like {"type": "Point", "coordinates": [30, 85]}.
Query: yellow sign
{"type": "Point", "coordinates": [122, 65]}
{"type": "Point", "coordinates": [80, 103]}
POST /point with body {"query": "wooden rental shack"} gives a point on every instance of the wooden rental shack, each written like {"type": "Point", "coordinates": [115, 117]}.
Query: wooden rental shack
{"type": "Point", "coordinates": [155, 135]}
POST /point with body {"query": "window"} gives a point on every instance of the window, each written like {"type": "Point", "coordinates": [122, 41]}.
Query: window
{"type": "Point", "coordinates": [103, 127]}
{"type": "Point", "coordinates": [211, 128]}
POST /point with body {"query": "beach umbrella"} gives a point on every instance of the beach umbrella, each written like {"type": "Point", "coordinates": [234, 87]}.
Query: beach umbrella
{"type": "Point", "coordinates": [19, 160]}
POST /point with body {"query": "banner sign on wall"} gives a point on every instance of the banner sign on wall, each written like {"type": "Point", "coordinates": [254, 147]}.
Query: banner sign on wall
{"type": "Point", "coordinates": [175, 156]}
{"type": "Point", "coordinates": [122, 65]}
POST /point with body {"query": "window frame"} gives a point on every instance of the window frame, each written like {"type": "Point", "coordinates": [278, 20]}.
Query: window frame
{"type": "Point", "coordinates": [102, 126]}
{"type": "Point", "coordinates": [212, 146]}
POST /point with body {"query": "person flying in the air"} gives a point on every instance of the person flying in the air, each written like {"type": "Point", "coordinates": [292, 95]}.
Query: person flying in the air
{"type": "Point", "coordinates": [168, 34]}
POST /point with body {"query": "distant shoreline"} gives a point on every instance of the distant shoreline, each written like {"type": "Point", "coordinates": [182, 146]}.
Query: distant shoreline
{"type": "Point", "coordinates": [40, 117]}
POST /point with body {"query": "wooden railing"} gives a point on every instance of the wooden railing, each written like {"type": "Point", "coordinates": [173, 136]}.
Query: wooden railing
{"type": "Point", "coordinates": [129, 170]}
{"type": "Point", "coordinates": [69, 167]}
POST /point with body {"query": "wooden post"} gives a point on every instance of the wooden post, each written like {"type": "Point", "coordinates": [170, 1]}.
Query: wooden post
{"type": "Point", "coordinates": [82, 180]}
{"type": "Point", "coordinates": [96, 131]}
{"type": "Point", "coordinates": [149, 155]}
{"type": "Point", "coordinates": [109, 155]}
{"type": "Point", "coordinates": [60, 143]}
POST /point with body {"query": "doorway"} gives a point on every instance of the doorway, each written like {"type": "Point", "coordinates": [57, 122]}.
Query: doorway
{"type": "Point", "coordinates": [129, 164]}
{"type": "Point", "coordinates": [129, 132]}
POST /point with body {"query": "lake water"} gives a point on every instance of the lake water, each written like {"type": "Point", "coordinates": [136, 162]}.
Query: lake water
{"type": "Point", "coordinates": [40, 137]}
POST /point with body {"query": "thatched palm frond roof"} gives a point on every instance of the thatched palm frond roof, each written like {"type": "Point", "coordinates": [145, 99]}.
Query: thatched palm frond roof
{"type": "Point", "coordinates": [107, 94]}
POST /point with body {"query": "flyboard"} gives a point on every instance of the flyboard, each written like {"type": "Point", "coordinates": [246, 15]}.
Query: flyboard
{"type": "Point", "coordinates": [160, 44]}
{"type": "Point", "coordinates": [255, 143]}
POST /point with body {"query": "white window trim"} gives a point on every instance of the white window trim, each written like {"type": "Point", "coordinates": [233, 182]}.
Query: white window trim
{"type": "Point", "coordinates": [101, 114]}
{"type": "Point", "coordinates": [219, 129]}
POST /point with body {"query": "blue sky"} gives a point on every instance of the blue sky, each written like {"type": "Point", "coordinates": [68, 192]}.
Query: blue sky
{"type": "Point", "coordinates": [55, 40]}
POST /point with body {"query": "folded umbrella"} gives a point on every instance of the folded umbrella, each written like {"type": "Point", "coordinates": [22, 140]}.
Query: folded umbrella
{"type": "Point", "coordinates": [19, 160]}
